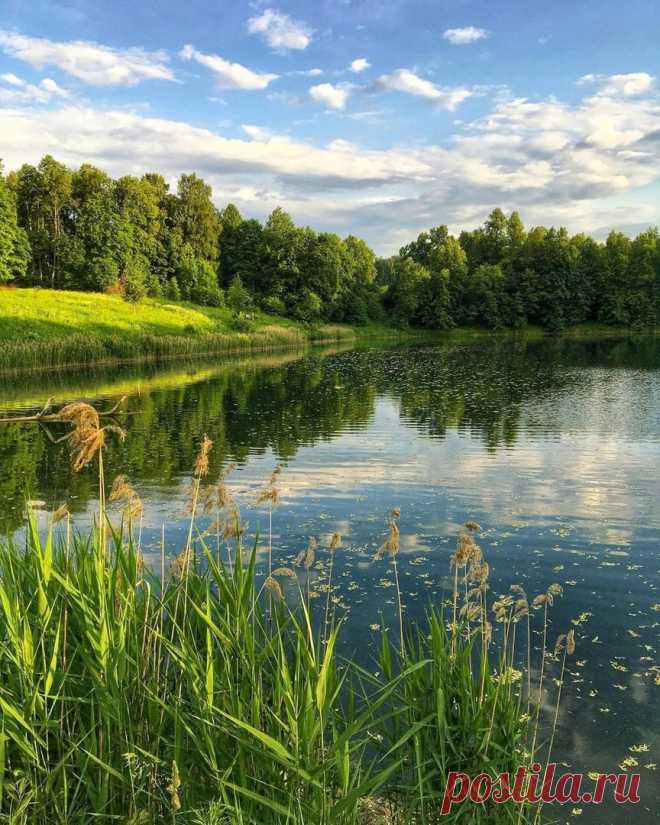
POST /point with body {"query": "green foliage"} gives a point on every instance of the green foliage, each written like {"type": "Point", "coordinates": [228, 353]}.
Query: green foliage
{"type": "Point", "coordinates": [203, 696]}
{"type": "Point", "coordinates": [238, 298]}
{"type": "Point", "coordinates": [500, 275]}
{"type": "Point", "coordinates": [135, 280]}
{"type": "Point", "coordinates": [308, 307]}
{"type": "Point", "coordinates": [101, 273]}
{"type": "Point", "coordinates": [173, 292]}
{"type": "Point", "coordinates": [83, 230]}
{"type": "Point", "coordinates": [273, 305]}
{"type": "Point", "coordinates": [404, 294]}
{"type": "Point", "coordinates": [14, 248]}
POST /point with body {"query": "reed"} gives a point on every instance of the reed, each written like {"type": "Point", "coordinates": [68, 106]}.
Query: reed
{"type": "Point", "coordinates": [213, 693]}
{"type": "Point", "coordinates": [103, 348]}
{"type": "Point", "coordinates": [127, 697]}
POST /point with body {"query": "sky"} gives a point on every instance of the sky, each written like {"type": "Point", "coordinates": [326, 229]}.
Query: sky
{"type": "Point", "coordinates": [379, 118]}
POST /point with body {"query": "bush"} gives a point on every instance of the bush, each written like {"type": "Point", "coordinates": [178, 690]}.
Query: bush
{"type": "Point", "coordinates": [135, 282]}
{"type": "Point", "coordinates": [273, 305]}
{"type": "Point", "coordinates": [239, 324]}
{"type": "Point", "coordinates": [206, 295]}
{"type": "Point", "coordinates": [172, 292]}
{"type": "Point", "coordinates": [102, 274]}
{"type": "Point", "coordinates": [308, 308]}
{"type": "Point", "coordinates": [238, 298]}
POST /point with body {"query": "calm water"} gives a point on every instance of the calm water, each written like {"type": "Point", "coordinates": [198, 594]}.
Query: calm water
{"type": "Point", "coordinates": [553, 447]}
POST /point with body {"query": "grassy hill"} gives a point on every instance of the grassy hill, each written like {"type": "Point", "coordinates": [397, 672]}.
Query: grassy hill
{"type": "Point", "coordinates": [41, 328]}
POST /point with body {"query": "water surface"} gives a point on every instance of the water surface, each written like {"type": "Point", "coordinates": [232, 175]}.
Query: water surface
{"type": "Point", "coordinates": [552, 446]}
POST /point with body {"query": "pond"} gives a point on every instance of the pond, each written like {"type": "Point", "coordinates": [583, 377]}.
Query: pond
{"type": "Point", "coordinates": [552, 446]}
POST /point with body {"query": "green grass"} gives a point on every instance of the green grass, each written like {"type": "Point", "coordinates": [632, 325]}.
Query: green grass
{"type": "Point", "coordinates": [113, 683]}
{"type": "Point", "coordinates": [41, 328]}
{"type": "Point", "coordinates": [210, 690]}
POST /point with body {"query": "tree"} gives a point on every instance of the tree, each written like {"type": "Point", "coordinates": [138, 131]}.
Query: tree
{"type": "Point", "coordinates": [405, 291]}
{"type": "Point", "coordinates": [142, 216]}
{"type": "Point", "coordinates": [242, 253]}
{"type": "Point", "coordinates": [643, 285]}
{"type": "Point", "coordinates": [97, 236]}
{"type": "Point", "coordinates": [483, 295]}
{"type": "Point", "coordinates": [360, 261]}
{"type": "Point", "coordinates": [435, 301]}
{"type": "Point", "coordinates": [14, 247]}
{"type": "Point", "coordinates": [282, 241]}
{"type": "Point", "coordinates": [81, 229]}
{"type": "Point", "coordinates": [43, 196]}
{"type": "Point", "coordinates": [196, 278]}
{"type": "Point", "coordinates": [238, 298]}
{"type": "Point", "coordinates": [616, 260]}
{"type": "Point", "coordinates": [196, 219]}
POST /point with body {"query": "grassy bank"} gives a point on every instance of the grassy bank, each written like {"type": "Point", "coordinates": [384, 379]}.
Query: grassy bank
{"type": "Point", "coordinates": [210, 690]}
{"type": "Point", "coordinates": [41, 328]}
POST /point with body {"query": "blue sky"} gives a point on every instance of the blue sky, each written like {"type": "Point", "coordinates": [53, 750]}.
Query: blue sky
{"type": "Point", "coordinates": [377, 117]}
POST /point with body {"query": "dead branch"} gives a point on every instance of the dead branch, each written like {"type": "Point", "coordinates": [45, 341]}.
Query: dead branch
{"type": "Point", "coordinates": [53, 418]}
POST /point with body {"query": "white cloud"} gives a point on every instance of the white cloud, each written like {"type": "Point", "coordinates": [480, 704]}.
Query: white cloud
{"type": "Point", "coordinates": [360, 64]}
{"type": "Point", "coordinates": [280, 31]}
{"type": "Point", "coordinates": [333, 96]}
{"type": "Point", "coordinates": [122, 141]}
{"type": "Point", "coordinates": [464, 36]}
{"type": "Point", "coordinates": [587, 165]}
{"type": "Point", "coordinates": [229, 75]}
{"type": "Point", "coordinates": [403, 80]}
{"type": "Point", "coordinates": [628, 85]}
{"type": "Point", "coordinates": [90, 62]}
{"type": "Point", "coordinates": [259, 133]}
{"type": "Point", "coordinates": [12, 79]}
{"type": "Point", "coordinates": [23, 92]}
{"type": "Point", "coordinates": [53, 88]}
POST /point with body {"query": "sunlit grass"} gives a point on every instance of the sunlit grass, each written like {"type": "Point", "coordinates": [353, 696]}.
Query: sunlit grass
{"type": "Point", "coordinates": [41, 328]}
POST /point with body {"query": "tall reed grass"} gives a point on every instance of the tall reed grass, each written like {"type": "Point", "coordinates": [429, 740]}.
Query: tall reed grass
{"type": "Point", "coordinates": [211, 692]}
{"type": "Point", "coordinates": [81, 349]}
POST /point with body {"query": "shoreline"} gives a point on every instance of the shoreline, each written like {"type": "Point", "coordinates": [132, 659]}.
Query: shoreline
{"type": "Point", "coordinates": [42, 331]}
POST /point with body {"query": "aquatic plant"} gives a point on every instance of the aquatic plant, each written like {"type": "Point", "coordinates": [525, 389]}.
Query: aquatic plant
{"type": "Point", "coordinates": [134, 695]}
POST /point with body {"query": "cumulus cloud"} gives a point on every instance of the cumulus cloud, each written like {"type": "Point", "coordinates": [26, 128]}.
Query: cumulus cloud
{"type": "Point", "coordinates": [280, 31]}
{"type": "Point", "coordinates": [464, 36]}
{"type": "Point", "coordinates": [259, 133]}
{"type": "Point", "coordinates": [23, 92]}
{"type": "Point", "coordinates": [229, 75]}
{"type": "Point", "coordinates": [628, 85]}
{"type": "Point", "coordinates": [403, 80]}
{"type": "Point", "coordinates": [359, 65]}
{"type": "Point", "coordinates": [333, 96]}
{"type": "Point", "coordinates": [12, 79]}
{"type": "Point", "coordinates": [120, 140]}
{"type": "Point", "coordinates": [578, 164]}
{"type": "Point", "coordinates": [90, 62]}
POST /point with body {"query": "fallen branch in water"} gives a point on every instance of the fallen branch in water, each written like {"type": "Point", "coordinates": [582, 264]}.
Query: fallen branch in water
{"type": "Point", "coordinates": [54, 418]}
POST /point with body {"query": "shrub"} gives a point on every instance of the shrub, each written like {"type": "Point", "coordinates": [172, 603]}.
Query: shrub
{"type": "Point", "coordinates": [173, 293]}
{"type": "Point", "coordinates": [238, 298]}
{"type": "Point", "coordinates": [102, 274]}
{"type": "Point", "coordinates": [273, 305]}
{"type": "Point", "coordinates": [135, 282]}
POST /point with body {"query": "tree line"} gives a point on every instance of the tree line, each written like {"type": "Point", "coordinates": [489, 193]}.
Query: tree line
{"type": "Point", "coordinates": [501, 275]}
{"type": "Point", "coordinates": [82, 229]}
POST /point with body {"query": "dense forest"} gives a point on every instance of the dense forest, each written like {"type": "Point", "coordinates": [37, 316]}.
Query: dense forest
{"type": "Point", "coordinates": [81, 229]}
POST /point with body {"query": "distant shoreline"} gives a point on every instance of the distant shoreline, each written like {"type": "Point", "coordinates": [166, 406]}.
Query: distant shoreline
{"type": "Point", "coordinates": [42, 330]}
